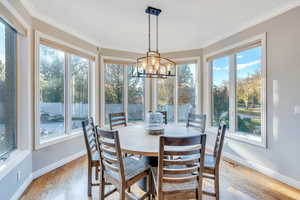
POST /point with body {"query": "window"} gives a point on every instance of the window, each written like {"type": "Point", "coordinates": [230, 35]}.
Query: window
{"type": "Point", "coordinates": [123, 93]}
{"type": "Point", "coordinates": [80, 90]}
{"type": "Point", "coordinates": [52, 94]}
{"type": "Point", "coordinates": [220, 91]}
{"type": "Point", "coordinates": [8, 92]}
{"type": "Point", "coordinates": [136, 97]}
{"type": "Point", "coordinates": [63, 92]}
{"type": "Point", "coordinates": [114, 89]}
{"type": "Point", "coordinates": [248, 92]}
{"type": "Point", "coordinates": [237, 91]}
{"type": "Point", "coordinates": [166, 97]}
{"type": "Point", "coordinates": [186, 90]}
{"type": "Point", "coordinates": [178, 95]}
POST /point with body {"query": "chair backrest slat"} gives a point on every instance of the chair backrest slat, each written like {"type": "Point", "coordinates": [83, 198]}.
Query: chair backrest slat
{"type": "Point", "coordinates": [108, 144]}
{"type": "Point", "coordinates": [117, 119]}
{"type": "Point", "coordinates": [89, 132]}
{"type": "Point", "coordinates": [180, 171]}
{"type": "Point", "coordinates": [181, 153]}
{"type": "Point", "coordinates": [184, 179]}
{"type": "Point", "coordinates": [197, 121]}
{"type": "Point", "coordinates": [191, 161]}
{"type": "Point", "coordinates": [219, 143]}
{"type": "Point", "coordinates": [186, 168]}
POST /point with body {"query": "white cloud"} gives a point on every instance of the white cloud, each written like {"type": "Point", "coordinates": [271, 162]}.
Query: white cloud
{"type": "Point", "coordinates": [221, 68]}
{"type": "Point", "coordinates": [250, 64]}
{"type": "Point", "coordinates": [239, 56]}
{"type": "Point", "coordinates": [2, 58]}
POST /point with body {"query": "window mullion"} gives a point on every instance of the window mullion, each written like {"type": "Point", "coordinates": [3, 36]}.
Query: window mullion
{"type": "Point", "coordinates": [232, 93]}
{"type": "Point", "coordinates": [153, 103]}
{"type": "Point", "coordinates": [68, 94]}
{"type": "Point", "coordinates": [176, 97]}
{"type": "Point", "coordinates": [125, 89]}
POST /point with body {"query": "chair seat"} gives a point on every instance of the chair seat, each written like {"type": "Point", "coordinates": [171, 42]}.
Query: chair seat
{"type": "Point", "coordinates": [174, 187]}
{"type": "Point", "coordinates": [132, 168]}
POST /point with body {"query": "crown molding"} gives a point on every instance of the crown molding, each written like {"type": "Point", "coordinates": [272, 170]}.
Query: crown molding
{"type": "Point", "coordinates": [15, 13]}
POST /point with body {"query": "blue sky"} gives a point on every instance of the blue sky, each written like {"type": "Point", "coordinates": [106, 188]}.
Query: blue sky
{"type": "Point", "coordinates": [2, 39]}
{"type": "Point", "coordinates": [248, 62]}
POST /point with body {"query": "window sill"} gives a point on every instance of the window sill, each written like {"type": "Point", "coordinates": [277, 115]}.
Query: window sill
{"type": "Point", "coordinates": [15, 158]}
{"type": "Point", "coordinates": [240, 138]}
{"type": "Point", "coordinates": [59, 139]}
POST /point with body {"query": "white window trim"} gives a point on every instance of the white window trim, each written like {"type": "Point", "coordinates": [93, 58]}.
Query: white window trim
{"type": "Point", "coordinates": [23, 143]}
{"type": "Point", "coordinates": [125, 82]}
{"type": "Point", "coordinates": [198, 83]}
{"type": "Point", "coordinates": [68, 133]}
{"type": "Point", "coordinates": [232, 134]}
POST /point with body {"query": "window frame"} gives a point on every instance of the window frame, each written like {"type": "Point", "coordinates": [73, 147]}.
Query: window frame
{"type": "Point", "coordinates": [18, 144]}
{"type": "Point", "coordinates": [232, 133]}
{"type": "Point", "coordinates": [125, 88]}
{"type": "Point", "coordinates": [198, 83]}
{"type": "Point", "coordinates": [68, 133]}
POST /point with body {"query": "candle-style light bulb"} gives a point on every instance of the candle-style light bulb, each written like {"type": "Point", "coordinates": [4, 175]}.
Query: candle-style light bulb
{"type": "Point", "coordinates": [153, 61]}
{"type": "Point", "coordinates": [144, 64]}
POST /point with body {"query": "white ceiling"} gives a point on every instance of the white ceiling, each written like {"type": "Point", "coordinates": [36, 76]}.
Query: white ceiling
{"type": "Point", "coordinates": [183, 24]}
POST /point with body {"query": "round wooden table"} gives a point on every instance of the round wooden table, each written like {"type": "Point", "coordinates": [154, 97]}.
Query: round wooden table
{"type": "Point", "coordinates": [135, 140]}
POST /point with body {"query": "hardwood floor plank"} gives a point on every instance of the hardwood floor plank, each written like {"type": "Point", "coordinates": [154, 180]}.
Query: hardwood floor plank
{"type": "Point", "coordinates": [69, 182]}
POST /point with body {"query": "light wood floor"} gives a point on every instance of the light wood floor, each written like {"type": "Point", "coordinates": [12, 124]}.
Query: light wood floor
{"type": "Point", "coordinates": [237, 183]}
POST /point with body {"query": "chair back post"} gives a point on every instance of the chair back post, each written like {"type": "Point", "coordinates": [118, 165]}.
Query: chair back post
{"type": "Point", "coordinates": [120, 157]}
{"type": "Point", "coordinates": [219, 143]}
{"type": "Point", "coordinates": [197, 121]}
{"type": "Point", "coordinates": [160, 166]}
{"type": "Point", "coordinates": [89, 136]}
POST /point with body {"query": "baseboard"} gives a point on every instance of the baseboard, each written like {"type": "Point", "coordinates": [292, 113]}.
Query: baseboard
{"type": "Point", "coordinates": [262, 169]}
{"type": "Point", "coordinates": [57, 164]}
{"type": "Point", "coordinates": [22, 188]}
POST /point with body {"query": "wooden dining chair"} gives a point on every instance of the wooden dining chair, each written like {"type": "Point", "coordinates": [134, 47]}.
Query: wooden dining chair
{"type": "Point", "coordinates": [182, 178]}
{"type": "Point", "coordinates": [89, 132]}
{"type": "Point", "coordinates": [165, 116]}
{"type": "Point", "coordinates": [117, 119]}
{"type": "Point", "coordinates": [197, 121]}
{"type": "Point", "coordinates": [212, 162]}
{"type": "Point", "coordinates": [122, 173]}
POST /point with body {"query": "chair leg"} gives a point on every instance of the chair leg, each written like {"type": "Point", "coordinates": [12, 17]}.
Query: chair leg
{"type": "Point", "coordinates": [217, 186]}
{"type": "Point", "coordinates": [102, 186]}
{"type": "Point", "coordinates": [149, 187]}
{"type": "Point", "coordinates": [89, 180]}
{"type": "Point", "coordinates": [96, 173]}
{"type": "Point", "coordinates": [122, 193]}
{"type": "Point", "coordinates": [199, 190]}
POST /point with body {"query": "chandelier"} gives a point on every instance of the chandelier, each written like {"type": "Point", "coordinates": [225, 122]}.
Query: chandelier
{"type": "Point", "coordinates": [153, 65]}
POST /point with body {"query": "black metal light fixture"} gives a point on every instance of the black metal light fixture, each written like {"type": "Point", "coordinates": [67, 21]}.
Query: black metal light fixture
{"type": "Point", "coordinates": [153, 65]}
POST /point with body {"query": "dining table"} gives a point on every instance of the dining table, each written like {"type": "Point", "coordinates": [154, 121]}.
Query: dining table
{"type": "Point", "coordinates": [135, 139]}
